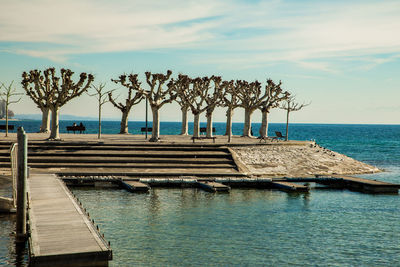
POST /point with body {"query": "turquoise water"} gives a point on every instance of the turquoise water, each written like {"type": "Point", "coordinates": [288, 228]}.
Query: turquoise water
{"type": "Point", "coordinates": [188, 227]}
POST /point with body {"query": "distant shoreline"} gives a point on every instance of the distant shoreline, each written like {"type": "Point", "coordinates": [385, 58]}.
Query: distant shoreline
{"type": "Point", "coordinates": [217, 122]}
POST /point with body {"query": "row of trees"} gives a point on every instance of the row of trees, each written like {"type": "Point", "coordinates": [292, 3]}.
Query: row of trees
{"type": "Point", "coordinates": [198, 95]}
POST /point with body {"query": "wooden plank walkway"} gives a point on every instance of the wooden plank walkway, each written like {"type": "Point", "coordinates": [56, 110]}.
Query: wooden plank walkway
{"type": "Point", "coordinates": [60, 232]}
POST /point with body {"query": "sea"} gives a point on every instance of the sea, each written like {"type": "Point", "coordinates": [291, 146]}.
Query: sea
{"type": "Point", "coordinates": [247, 227]}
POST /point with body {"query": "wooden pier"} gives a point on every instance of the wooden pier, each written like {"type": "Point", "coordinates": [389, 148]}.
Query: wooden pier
{"type": "Point", "coordinates": [134, 186]}
{"type": "Point", "coordinates": [61, 234]}
{"type": "Point", "coordinates": [213, 186]}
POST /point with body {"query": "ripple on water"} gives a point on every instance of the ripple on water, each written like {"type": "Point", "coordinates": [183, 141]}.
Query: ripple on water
{"type": "Point", "coordinates": [10, 255]}
{"type": "Point", "coordinates": [247, 227]}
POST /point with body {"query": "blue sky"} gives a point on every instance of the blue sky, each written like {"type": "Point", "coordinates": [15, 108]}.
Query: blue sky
{"type": "Point", "coordinates": [343, 56]}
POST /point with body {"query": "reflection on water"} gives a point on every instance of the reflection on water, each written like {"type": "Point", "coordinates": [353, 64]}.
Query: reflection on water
{"type": "Point", "coordinates": [10, 253]}
{"type": "Point", "coordinates": [182, 227]}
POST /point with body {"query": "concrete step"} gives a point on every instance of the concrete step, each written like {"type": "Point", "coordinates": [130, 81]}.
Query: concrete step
{"type": "Point", "coordinates": [127, 165]}
{"type": "Point", "coordinates": [123, 148]}
{"type": "Point", "coordinates": [123, 158]}
{"type": "Point", "coordinates": [150, 173]}
{"type": "Point", "coordinates": [53, 144]}
{"type": "Point", "coordinates": [129, 160]}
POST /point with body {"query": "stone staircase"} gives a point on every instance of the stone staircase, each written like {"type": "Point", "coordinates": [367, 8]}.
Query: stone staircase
{"type": "Point", "coordinates": [145, 159]}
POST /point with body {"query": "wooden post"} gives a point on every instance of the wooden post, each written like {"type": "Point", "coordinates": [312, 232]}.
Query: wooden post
{"type": "Point", "coordinates": [21, 185]}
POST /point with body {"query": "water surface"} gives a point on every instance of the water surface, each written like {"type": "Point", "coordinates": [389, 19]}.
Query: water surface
{"type": "Point", "coordinates": [189, 227]}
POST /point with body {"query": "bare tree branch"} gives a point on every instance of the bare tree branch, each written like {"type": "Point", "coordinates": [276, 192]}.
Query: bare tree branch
{"type": "Point", "coordinates": [47, 92]}
{"type": "Point", "coordinates": [135, 95]}
{"type": "Point", "coordinates": [6, 96]}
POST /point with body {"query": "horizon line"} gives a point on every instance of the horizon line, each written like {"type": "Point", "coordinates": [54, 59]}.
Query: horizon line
{"type": "Point", "coordinates": [150, 122]}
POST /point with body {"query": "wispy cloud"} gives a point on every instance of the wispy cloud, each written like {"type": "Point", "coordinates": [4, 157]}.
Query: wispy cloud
{"type": "Point", "coordinates": [309, 34]}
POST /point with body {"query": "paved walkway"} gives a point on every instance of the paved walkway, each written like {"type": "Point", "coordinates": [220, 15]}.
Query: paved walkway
{"type": "Point", "coordinates": [136, 138]}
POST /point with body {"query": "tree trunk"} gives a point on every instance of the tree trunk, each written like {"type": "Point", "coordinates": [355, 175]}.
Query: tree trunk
{"type": "Point", "coordinates": [124, 122]}
{"type": "Point", "coordinates": [196, 125]}
{"type": "Point", "coordinates": [99, 134]}
{"type": "Point", "coordinates": [155, 134]}
{"type": "Point", "coordinates": [7, 117]}
{"type": "Point", "coordinates": [184, 129]}
{"type": "Point", "coordinates": [264, 124]}
{"type": "Point", "coordinates": [55, 127]}
{"type": "Point", "coordinates": [229, 114]}
{"type": "Point", "coordinates": [209, 132]}
{"type": "Point", "coordinates": [247, 123]}
{"type": "Point", "coordinates": [45, 127]}
{"type": "Point", "coordinates": [287, 125]}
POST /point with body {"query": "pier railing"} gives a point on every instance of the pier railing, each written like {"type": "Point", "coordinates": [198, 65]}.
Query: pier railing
{"type": "Point", "coordinates": [14, 170]}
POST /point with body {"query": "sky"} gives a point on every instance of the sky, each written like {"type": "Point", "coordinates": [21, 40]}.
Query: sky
{"type": "Point", "coordinates": [343, 57]}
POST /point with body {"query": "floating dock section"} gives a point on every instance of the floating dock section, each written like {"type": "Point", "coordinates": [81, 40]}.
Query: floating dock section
{"type": "Point", "coordinates": [291, 187]}
{"type": "Point", "coordinates": [134, 186]}
{"type": "Point", "coordinates": [289, 184]}
{"type": "Point", "coordinates": [213, 186]}
{"type": "Point", "coordinates": [369, 186]}
{"type": "Point", "coordinates": [7, 205]}
{"type": "Point", "coordinates": [61, 234]}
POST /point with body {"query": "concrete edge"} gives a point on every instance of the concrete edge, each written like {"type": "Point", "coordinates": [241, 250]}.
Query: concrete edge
{"type": "Point", "coordinates": [242, 168]}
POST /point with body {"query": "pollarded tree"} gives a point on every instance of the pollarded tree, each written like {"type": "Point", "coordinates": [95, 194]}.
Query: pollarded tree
{"type": "Point", "coordinates": [7, 95]}
{"type": "Point", "coordinates": [251, 97]}
{"type": "Point", "coordinates": [291, 105]}
{"type": "Point", "coordinates": [158, 95]}
{"type": "Point", "coordinates": [213, 99]}
{"type": "Point", "coordinates": [230, 101]}
{"type": "Point", "coordinates": [55, 94]}
{"type": "Point", "coordinates": [275, 95]}
{"type": "Point", "coordinates": [196, 98]}
{"type": "Point", "coordinates": [38, 93]}
{"type": "Point", "coordinates": [135, 95]}
{"type": "Point", "coordinates": [182, 84]}
{"type": "Point", "coordinates": [101, 96]}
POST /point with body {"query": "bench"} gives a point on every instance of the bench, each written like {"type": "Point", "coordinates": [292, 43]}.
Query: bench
{"type": "Point", "coordinates": [10, 127]}
{"type": "Point", "coordinates": [76, 128]}
{"type": "Point", "coordinates": [203, 137]}
{"type": "Point", "coordinates": [149, 129]}
{"type": "Point", "coordinates": [278, 136]}
{"type": "Point", "coordinates": [204, 130]}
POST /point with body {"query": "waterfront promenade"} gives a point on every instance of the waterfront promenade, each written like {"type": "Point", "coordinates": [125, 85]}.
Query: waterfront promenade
{"type": "Point", "coordinates": [251, 157]}
{"type": "Point", "coordinates": [61, 231]}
